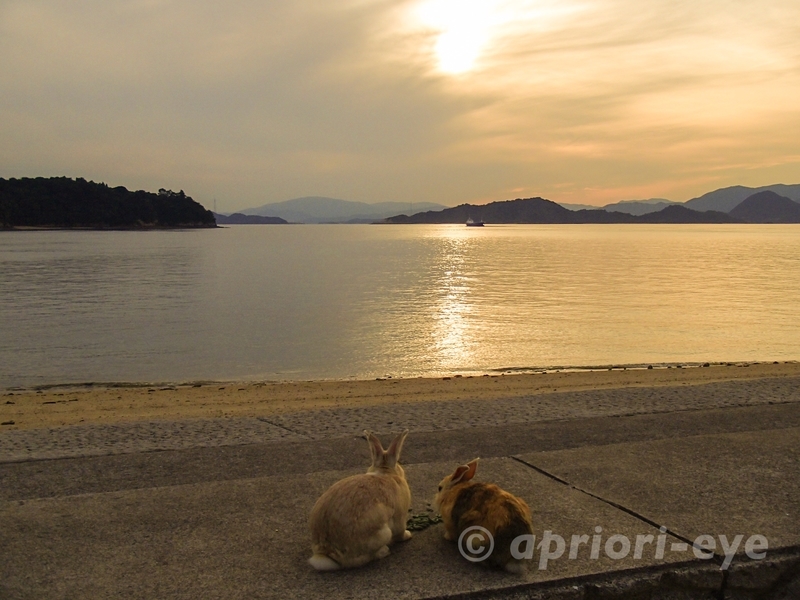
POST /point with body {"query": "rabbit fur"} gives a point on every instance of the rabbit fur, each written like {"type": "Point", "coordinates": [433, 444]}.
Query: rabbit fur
{"type": "Point", "coordinates": [465, 503]}
{"type": "Point", "coordinates": [358, 517]}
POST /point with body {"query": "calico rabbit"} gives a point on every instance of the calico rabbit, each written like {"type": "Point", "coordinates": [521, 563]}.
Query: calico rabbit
{"type": "Point", "coordinates": [357, 518]}
{"type": "Point", "coordinates": [464, 503]}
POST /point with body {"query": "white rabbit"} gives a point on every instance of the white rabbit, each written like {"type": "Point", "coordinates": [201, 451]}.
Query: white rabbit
{"type": "Point", "coordinates": [357, 518]}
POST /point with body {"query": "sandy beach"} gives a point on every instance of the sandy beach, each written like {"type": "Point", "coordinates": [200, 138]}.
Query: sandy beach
{"type": "Point", "coordinates": [97, 404]}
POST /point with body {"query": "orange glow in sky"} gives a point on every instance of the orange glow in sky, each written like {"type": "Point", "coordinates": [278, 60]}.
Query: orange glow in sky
{"type": "Point", "coordinates": [584, 101]}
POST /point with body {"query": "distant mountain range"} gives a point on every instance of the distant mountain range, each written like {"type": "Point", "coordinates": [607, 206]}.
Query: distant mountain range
{"type": "Point", "coordinates": [317, 209]}
{"type": "Point", "coordinates": [762, 207]}
{"type": "Point", "coordinates": [63, 202]}
{"type": "Point", "coordinates": [632, 207]}
{"type": "Point", "coordinates": [722, 200]}
{"type": "Point", "coordinates": [320, 209]}
{"type": "Point", "coordinates": [726, 199]}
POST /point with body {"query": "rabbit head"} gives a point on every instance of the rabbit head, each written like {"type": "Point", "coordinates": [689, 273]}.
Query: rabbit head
{"type": "Point", "coordinates": [461, 475]}
{"type": "Point", "coordinates": [386, 461]}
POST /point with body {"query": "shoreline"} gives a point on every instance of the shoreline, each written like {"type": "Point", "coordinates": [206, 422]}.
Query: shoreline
{"type": "Point", "coordinates": [64, 405]}
{"type": "Point", "coordinates": [505, 371]}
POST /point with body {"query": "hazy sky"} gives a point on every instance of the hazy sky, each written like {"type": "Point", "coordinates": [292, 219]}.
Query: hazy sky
{"type": "Point", "coordinates": [255, 101]}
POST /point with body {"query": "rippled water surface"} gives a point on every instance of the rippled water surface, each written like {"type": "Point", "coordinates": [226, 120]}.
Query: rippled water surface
{"type": "Point", "coordinates": [338, 301]}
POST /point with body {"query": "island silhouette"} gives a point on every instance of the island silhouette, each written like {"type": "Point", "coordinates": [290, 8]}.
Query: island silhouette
{"type": "Point", "coordinates": [762, 207]}
{"type": "Point", "coordinates": [61, 202]}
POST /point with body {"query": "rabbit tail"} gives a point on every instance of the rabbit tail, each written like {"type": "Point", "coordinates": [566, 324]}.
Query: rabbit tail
{"type": "Point", "coordinates": [323, 563]}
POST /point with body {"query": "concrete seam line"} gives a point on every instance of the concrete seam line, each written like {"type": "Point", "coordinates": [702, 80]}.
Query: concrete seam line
{"type": "Point", "coordinates": [724, 586]}
{"type": "Point", "coordinates": [717, 558]}
{"type": "Point", "coordinates": [265, 420]}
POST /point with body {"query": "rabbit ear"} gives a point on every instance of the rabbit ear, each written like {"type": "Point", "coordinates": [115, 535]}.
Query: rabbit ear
{"type": "Point", "coordinates": [458, 474]}
{"type": "Point", "coordinates": [473, 466]}
{"type": "Point", "coordinates": [376, 448]}
{"type": "Point", "coordinates": [465, 472]}
{"type": "Point", "coordinates": [393, 453]}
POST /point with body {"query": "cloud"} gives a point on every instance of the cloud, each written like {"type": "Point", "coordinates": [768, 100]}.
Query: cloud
{"type": "Point", "coordinates": [252, 102]}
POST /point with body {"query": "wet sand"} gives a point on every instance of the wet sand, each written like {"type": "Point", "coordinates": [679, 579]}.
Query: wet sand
{"type": "Point", "coordinates": [85, 405]}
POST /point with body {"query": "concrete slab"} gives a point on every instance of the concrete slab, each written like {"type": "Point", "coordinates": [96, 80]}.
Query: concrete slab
{"type": "Point", "coordinates": [143, 468]}
{"type": "Point", "coordinates": [730, 484]}
{"type": "Point", "coordinates": [248, 539]}
{"type": "Point", "coordinates": [229, 521]}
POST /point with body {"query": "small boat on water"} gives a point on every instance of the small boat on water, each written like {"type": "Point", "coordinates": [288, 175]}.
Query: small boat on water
{"type": "Point", "coordinates": [471, 223]}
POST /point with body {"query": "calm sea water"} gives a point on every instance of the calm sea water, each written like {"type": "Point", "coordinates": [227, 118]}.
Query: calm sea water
{"type": "Point", "coordinates": [300, 302]}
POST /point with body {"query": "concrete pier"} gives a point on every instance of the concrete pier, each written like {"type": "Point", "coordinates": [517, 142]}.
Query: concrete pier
{"type": "Point", "coordinates": [218, 508]}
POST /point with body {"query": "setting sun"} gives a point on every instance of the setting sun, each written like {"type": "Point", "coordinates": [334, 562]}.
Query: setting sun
{"type": "Point", "coordinates": [462, 29]}
{"type": "Point", "coordinates": [467, 31]}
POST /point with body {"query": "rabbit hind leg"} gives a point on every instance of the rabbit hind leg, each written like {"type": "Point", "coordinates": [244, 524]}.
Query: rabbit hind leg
{"type": "Point", "coordinates": [376, 546]}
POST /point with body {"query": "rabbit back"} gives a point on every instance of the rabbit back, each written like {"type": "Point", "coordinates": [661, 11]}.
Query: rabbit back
{"type": "Point", "coordinates": [504, 515]}
{"type": "Point", "coordinates": [356, 519]}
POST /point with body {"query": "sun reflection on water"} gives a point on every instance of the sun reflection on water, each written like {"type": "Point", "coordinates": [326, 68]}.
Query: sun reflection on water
{"type": "Point", "coordinates": [453, 331]}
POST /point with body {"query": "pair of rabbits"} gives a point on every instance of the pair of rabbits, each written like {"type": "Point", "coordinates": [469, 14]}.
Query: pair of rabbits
{"type": "Point", "coordinates": [357, 518]}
